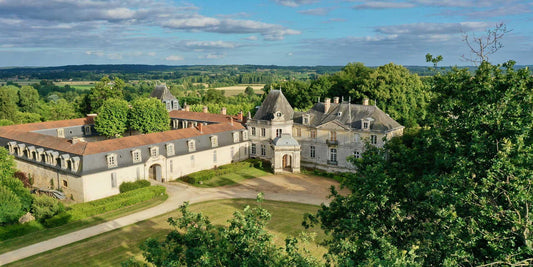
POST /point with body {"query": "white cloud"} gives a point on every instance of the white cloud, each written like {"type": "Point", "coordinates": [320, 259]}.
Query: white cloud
{"type": "Point", "coordinates": [295, 3]}
{"type": "Point", "coordinates": [213, 56]}
{"type": "Point", "coordinates": [209, 44]}
{"type": "Point", "coordinates": [289, 54]}
{"type": "Point", "coordinates": [321, 11]}
{"type": "Point", "coordinates": [95, 53]}
{"type": "Point", "coordinates": [383, 5]}
{"type": "Point", "coordinates": [434, 28]}
{"type": "Point", "coordinates": [251, 38]}
{"type": "Point", "coordinates": [152, 54]}
{"type": "Point", "coordinates": [174, 58]}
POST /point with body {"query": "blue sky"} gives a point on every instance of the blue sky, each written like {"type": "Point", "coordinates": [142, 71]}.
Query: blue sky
{"type": "Point", "coordinates": [278, 32]}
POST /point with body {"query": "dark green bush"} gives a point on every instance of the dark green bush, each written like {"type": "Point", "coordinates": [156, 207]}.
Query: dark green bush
{"type": "Point", "coordinates": [128, 186]}
{"type": "Point", "coordinates": [10, 206]}
{"type": "Point", "coordinates": [83, 210]}
{"type": "Point", "coordinates": [44, 207]}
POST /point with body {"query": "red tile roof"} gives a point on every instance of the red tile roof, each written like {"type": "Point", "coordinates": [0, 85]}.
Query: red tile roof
{"type": "Point", "coordinates": [24, 133]}
{"type": "Point", "coordinates": [200, 116]}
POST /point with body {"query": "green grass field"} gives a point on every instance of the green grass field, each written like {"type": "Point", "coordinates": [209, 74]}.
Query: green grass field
{"type": "Point", "coordinates": [48, 233]}
{"type": "Point", "coordinates": [111, 248]}
{"type": "Point", "coordinates": [233, 178]}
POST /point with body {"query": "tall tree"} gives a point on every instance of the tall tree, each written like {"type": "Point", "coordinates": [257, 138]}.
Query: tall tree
{"type": "Point", "coordinates": [105, 89]}
{"type": "Point", "coordinates": [8, 104]}
{"type": "Point", "coordinates": [455, 193]}
{"type": "Point", "coordinates": [20, 195]}
{"type": "Point", "coordinates": [28, 99]}
{"type": "Point", "coordinates": [149, 115]}
{"type": "Point", "coordinates": [112, 119]}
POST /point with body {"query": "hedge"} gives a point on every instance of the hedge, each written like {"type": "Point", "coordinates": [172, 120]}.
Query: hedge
{"type": "Point", "coordinates": [197, 177]}
{"type": "Point", "coordinates": [128, 186]}
{"type": "Point", "coordinates": [83, 210]}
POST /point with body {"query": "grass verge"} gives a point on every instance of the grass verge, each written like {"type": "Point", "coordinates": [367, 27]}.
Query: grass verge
{"type": "Point", "coordinates": [227, 174]}
{"type": "Point", "coordinates": [35, 232]}
{"type": "Point", "coordinates": [110, 249]}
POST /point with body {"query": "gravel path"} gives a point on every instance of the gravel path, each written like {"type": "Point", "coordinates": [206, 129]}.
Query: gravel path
{"type": "Point", "coordinates": [287, 187]}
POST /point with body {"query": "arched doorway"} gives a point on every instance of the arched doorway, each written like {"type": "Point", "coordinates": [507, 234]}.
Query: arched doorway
{"type": "Point", "coordinates": [154, 172]}
{"type": "Point", "coordinates": [286, 162]}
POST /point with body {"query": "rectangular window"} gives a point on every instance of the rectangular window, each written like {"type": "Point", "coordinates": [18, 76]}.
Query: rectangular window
{"type": "Point", "coordinates": [111, 160]}
{"type": "Point", "coordinates": [357, 154]}
{"type": "Point", "coordinates": [235, 137]}
{"type": "Point", "coordinates": [365, 125]}
{"type": "Point", "coordinates": [263, 150]}
{"type": "Point", "coordinates": [244, 135]}
{"type": "Point", "coordinates": [333, 136]}
{"type": "Point", "coordinates": [171, 166]}
{"type": "Point", "coordinates": [113, 180]}
{"type": "Point", "coordinates": [306, 121]}
{"type": "Point", "coordinates": [357, 138]}
{"type": "Point", "coordinates": [333, 155]}
{"type": "Point", "coordinates": [170, 150]}
{"type": "Point", "coordinates": [65, 183]}
{"type": "Point", "coordinates": [214, 141]}
{"type": "Point", "coordinates": [298, 132]}
{"type": "Point", "coordinates": [253, 131]}
{"type": "Point", "coordinates": [191, 145]}
{"type": "Point", "coordinates": [312, 133]}
{"type": "Point", "coordinates": [214, 156]}
{"type": "Point", "coordinates": [136, 155]}
{"type": "Point", "coordinates": [154, 151]}
{"type": "Point", "coordinates": [263, 132]}
{"type": "Point", "coordinates": [253, 150]}
{"type": "Point", "coordinates": [87, 129]}
{"type": "Point", "coordinates": [312, 152]}
{"type": "Point", "coordinates": [278, 132]}
{"type": "Point", "coordinates": [373, 139]}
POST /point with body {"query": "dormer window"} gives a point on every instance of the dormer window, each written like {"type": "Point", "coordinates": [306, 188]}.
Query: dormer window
{"type": "Point", "coordinates": [244, 135]}
{"type": "Point", "coordinates": [64, 161]}
{"type": "Point", "coordinates": [365, 123]}
{"type": "Point", "coordinates": [214, 141]}
{"type": "Point", "coordinates": [235, 137]}
{"type": "Point", "coordinates": [111, 160]}
{"type": "Point", "coordinates": [170, 149]}
{"type": "Point", "coordinates": [61, 133]}
{"type": "Point", "coordinates": [278, 114]}
{"type": "Point", "coordinates": [11, 145]}
{"type": "Point", "coordinates": [87, 129]}
{"type": "Point", "coordinates": [339, 114]}
{"type": "Point", "coordinates": [278, 132]}
{"type": "Point", "coordinates": [136, 156]}
{"type": "Point", "coordinates": [306, 119]}
{"type": "Point", "coordinates": [154, 151]}
{"type": "Point", "coordinates": [191, 145]}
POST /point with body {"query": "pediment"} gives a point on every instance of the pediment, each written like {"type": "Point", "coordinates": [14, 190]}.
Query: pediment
{"type": "Point", "coordinates": [333, 125]}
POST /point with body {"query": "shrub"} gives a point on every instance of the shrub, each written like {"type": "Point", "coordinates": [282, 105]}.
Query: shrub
{"type": "Point", "coordinates": [83, 210]}
{"type": "Point", "coordinates": [128, 186]}
{"type": "Point", "coordinates": [45, 207]}
{"type": "Point", "coordinates": [23, 178]}
{"type": "Point", "coordinates": [201, 176]}
{"type": "Point", "coordinates": [10, 206]}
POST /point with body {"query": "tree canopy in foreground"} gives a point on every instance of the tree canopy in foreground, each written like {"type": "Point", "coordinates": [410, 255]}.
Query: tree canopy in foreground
{"type": "Point", "coordinates": [455, 193]}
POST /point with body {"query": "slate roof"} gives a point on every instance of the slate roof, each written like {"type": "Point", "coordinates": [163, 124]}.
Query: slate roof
{"type": "Point", "coordinates": [161, 92]}
{"type": "Point", "coordinates": [285, 140]}
{"type": "Point", "coordinates": [380, 121]}
{"type": "Point", "coordinates": [274, 102]}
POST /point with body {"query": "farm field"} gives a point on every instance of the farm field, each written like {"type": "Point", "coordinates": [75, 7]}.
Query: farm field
{"type": "Point", "coordinates": [124, 243]}
{"type": "Point", "coordinates": [237, 89]}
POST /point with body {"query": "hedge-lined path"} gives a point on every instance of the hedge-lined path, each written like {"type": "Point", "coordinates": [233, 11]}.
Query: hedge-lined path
{"type": "Point", "coordinates": [286, 187]}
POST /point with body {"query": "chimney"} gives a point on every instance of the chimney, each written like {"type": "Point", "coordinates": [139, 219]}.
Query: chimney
{"type": "Point", "coordinates": [200, 127]}
{"type": "Point", "coordinates": [336, 100]}
{"type": "Point", "coordinates": [231, 120]}
{"type": "Point", "coordinates": [239, 116]}
{"type": "Point", "coordinates": [223, 111]}
{"type": "Point", "coordinates": [204, 109]}
{"type": "Point", "coordinates": [365, 101]}
{"type": "Point", "coordinates": [187, 108]}
{"type": "Point", "coordinates": [90, 118]}
{"type": "Point", "coordinates": [327, 104]}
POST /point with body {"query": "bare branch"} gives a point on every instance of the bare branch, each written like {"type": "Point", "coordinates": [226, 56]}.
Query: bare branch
{"type": "Point", "coordinates": [481, 47]}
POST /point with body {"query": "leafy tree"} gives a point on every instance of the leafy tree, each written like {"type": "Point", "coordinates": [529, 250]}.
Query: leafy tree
{"type": "Point", "coordinates": [10, 206]}
{"type": "Point", "coordinates": [27, 117]}
{"type": "Point", "coordinates": [454, 193]}
{"type": "Point", "coordinates": [28, 99]}
{"type": "Point", "coordinates": [60, 110]}
{"type": "Point", "coordinates": [214, 96]}
{"type": "Point", "coordinates": [349, 80]}
{"type": "Point", "coordinates": [8, 104]}
{"type": "Point", "coordinates": [398, 92]}
{"type": "Point", "coordinates": [44, 207]}
{"type": "Point", "coordinates": [249, 91]}
{"type": "Point", "coordinates": [105, 89]}
{"type": "Point", "coordinates": [197, 242]}
{"type": "Point", "coordinates": [15, 186]}
{"type": "Point", "coordinates": [112, 119]}
{"type": "Point", "coordinates": [148, 115]}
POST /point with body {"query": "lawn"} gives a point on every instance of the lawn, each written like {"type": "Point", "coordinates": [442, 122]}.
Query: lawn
{"type": "Point", "coordinates": [110, 249]}
{"type": "Point", "coordinates": [39, 233]}
{"type": "Point", "coordinates": [233, 178]}
{"type": "Point", "coordinates": [237, 89]}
